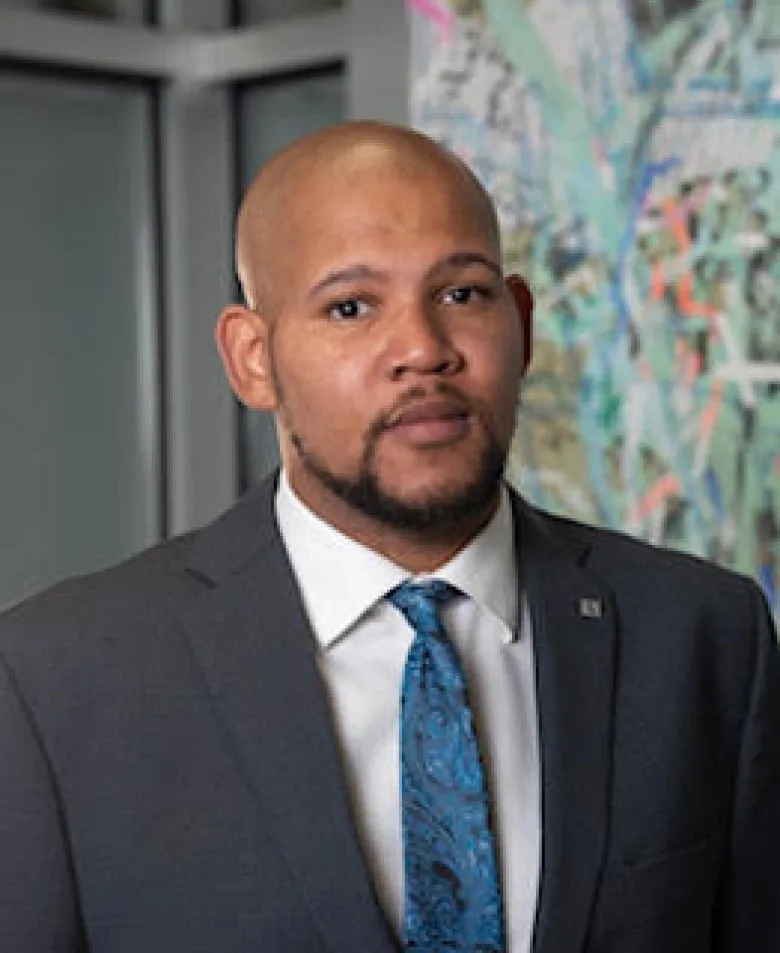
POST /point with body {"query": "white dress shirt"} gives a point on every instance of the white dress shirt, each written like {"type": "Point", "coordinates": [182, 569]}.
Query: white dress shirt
{"type": "Point", "coordinates": [364, 641]}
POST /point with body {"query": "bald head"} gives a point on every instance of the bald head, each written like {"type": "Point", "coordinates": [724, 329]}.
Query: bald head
{"type": "Point", "coordinates": [382, 334]}
{"type": "Point", "coordinates": [352, 153]}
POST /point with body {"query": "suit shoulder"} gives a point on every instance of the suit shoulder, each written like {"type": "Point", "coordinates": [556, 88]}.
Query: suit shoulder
{"type": "Point", "coordinates": [133, 606]}
{"type": "Point", "coordinates": [139, 585]}
{"type": "Point", "coordinates": [621, 558]}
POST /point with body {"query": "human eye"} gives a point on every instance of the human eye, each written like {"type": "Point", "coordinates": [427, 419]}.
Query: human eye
{"type": "Point", "coordinates": [348, 309]}
{"type": "Point", "coordinates": [466, 294]}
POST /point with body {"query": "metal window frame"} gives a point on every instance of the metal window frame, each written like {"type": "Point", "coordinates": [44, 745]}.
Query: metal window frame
{"type": "Point", "coordinates": [195, 60]}
{"type": "Point", "coordinates": [182, 56]}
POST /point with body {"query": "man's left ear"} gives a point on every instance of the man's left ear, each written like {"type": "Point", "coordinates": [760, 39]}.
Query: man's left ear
{"type": "Point", "coordinates": [524, 303]}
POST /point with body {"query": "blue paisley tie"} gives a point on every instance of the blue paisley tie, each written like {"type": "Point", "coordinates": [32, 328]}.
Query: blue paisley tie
{"type": "Point", "coordinates": [452, 892]}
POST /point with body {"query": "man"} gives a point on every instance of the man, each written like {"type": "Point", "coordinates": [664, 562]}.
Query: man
{"type": "Point", "coordinates": [209, 748]}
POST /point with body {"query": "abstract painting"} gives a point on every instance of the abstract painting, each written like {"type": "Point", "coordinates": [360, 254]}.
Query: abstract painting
{"type": "Point", "coordinates": [633, 150]}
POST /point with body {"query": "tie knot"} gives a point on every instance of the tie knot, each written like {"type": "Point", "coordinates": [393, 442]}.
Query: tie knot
{"type": "Point", "coordinates": [420, 601]}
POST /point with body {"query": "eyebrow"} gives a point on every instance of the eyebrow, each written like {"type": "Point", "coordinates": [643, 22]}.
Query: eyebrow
{"type": "Point", "coordinates": [464, 259]}
{"type": "Point", "coordinates": [352, 273]}
{"type": "Point", "coordinates": [458, 260]}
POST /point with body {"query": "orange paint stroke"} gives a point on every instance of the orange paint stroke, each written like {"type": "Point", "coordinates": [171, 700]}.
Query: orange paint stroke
{"type": "Point", "coordinates": [710, 414]}
{"type": "Point", "coordinates": [692, 203]}
{"type": "Point", "coordinates": [689, 361]}
{"type": "Point", "coordinates": [694, 367]}
{"type": "Point", "coordinates": [665, 486]}
{"type": "Point", "coordinates": [688, 304]}
{"type": "Point", "coordinates": [657, 282]}
{"type": "Point", "coordinates": [685, 299]}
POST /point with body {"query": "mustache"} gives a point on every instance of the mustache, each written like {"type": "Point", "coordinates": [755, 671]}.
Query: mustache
{"type": "Point", "coordinates": [386, 419]}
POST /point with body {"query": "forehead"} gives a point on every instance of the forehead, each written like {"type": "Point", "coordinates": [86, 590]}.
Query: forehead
{"type": "Point", "coordinates": [397, 210]}
{"type": "Point", "coordinates": [410, 205]}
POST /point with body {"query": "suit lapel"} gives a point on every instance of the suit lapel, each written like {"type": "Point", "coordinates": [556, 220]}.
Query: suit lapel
{"type": "Point", "coordinates": [249, 634]}
{"type": "Point", "coordinates": [574, 644]}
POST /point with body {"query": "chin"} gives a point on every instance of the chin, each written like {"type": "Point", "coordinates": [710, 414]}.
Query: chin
{"type": "Point", "coordinates": [429, 493]}
{"type": "Point", "coordinates": [422, 496]}
{"type": "Point", "coordinates": [446, 508]}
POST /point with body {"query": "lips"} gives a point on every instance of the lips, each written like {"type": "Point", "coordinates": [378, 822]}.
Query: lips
{"type": "Point", "coordinates": [432, 421]}
{"type": "Point", "coordinates": [424, 411]}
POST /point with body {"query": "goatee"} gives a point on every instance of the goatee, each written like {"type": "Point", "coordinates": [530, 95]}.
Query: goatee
{"type": "Point", "coordinates": [442, 514]}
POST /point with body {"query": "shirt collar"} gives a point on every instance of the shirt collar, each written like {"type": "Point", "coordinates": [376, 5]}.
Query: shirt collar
{"type": "Point", "coordinates": [340, 580]}
{"type": "Point", "coordinates": [486, 569]}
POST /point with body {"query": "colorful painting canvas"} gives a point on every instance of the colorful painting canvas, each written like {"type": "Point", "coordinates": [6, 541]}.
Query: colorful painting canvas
{"type": "Point", "coordinates": [633, 150]}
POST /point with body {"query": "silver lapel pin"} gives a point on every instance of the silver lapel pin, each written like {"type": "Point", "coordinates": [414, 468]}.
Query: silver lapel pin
{"type": "Point", "coordinates": [590, 608]}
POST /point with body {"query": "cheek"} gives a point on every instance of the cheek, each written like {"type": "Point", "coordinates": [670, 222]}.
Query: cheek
{"type": "Point", "coordinates": [344, 381]}
{"type": "Point", "coordinates": [324, 394]}
{"type": "Point", "coordinates": [497, 367]}
{"type": "Point", "coordinates": [505, 408]}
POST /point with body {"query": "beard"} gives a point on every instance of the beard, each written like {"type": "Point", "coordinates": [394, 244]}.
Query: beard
{"type": "Point", "coordinates": [441, 513]}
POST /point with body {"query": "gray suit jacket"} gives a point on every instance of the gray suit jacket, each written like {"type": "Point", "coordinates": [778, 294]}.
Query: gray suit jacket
{"type": "Point", "coordinates": [169, 780]}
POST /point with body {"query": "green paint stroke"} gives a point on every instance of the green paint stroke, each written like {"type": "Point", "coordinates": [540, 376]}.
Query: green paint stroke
{"type": "Point", "coordinates": [574, 138]}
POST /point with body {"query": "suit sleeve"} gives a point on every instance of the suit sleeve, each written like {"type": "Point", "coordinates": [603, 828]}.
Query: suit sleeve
{"type": "Point", "coordinates": [749, 913]}
{"type": "Point", "coordinates": [38, 911]}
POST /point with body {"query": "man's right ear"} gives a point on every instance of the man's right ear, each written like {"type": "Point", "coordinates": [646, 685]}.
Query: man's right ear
{"type": "Point", "coordinates": [241, 336]}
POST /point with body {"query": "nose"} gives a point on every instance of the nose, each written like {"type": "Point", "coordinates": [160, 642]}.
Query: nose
{"type": "Point", "coordinates": [420, 344]}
